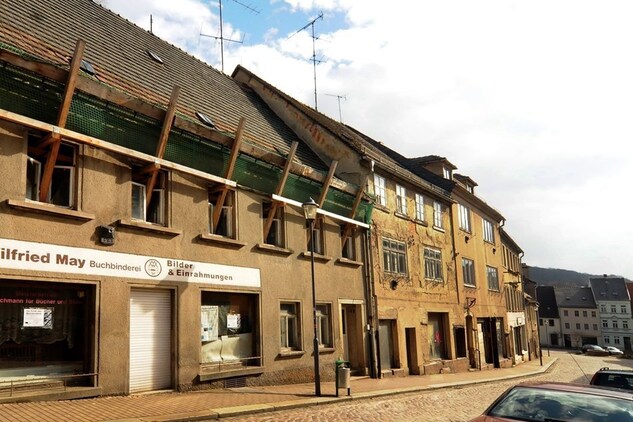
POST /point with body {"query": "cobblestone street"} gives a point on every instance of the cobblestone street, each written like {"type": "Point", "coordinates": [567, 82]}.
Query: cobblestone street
{"type": "Point", "coordinates": [455, 404]}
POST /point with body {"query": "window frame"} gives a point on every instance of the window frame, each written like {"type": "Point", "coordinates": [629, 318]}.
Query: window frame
{"type": "Point", "coordinates": [394, 255]}
{"type": "Point", "coordinates": [492, 277]}
{"type": "Point", "coordinates": [290, 325]}
{"type": "Point", "coordinates": [468, 272]}
{"type": "Point", "coordinates": [227, 224]}
{"type": "Point", "coordinates": [380, 189]}
{"type": "Point", "coordinates": [68, 152]}
{"type": "Point", "coordinates": [438, 215]}
{"type": "Point", "coordinates": [464, 218]}
{"type": "Point", "coordinates": [419, 207]}
{"type": "Point", "coordinates": [319, 236]}
{"type": "Point", "coordinates": [324, 325]}
{"type": "Point", "coordinates": [401, 199]}
{"type": "Point", "coordinates": [433, 268]}
{"type": "Point", "coordinates": [278, 226]}
{"type": "Point", "coordinates": [156, 211]}
{"type": "Point", "coordinates": [348, 247]}
{"type": "Point", "coordinates": [488, 230]}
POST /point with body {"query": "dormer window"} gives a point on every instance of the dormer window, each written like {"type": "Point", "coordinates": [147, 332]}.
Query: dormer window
{"type": "Point", "coordinates": [448, 174]}
{"type": "Point", "coordinates": [470, 189]}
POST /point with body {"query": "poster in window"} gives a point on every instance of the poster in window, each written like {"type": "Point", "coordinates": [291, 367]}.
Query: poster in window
{"type": "Point", "coordinates": [233, 322]}
{"type": "Point", "coordinates": [38, 318]}
{"type": "Point", "coordinates": [209, 323]}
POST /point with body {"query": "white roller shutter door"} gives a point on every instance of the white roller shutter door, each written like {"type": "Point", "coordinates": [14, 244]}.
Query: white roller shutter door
{"type": "Point", "coordinates": [150, 340]}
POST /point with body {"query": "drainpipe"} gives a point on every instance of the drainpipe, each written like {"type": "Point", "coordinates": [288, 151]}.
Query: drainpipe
{"type": "Point", "coordinates": [370, 299]}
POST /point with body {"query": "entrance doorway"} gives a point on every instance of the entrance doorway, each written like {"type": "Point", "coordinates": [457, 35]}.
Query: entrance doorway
{"type": "Point", "coordinates": [412, 351]}
{"type": "Point", "coordinates": [386, 342]}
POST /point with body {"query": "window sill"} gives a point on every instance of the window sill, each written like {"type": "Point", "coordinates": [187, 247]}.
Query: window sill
{"type": "Point", "coordinates": [381, 208]}
{"type": "Point", "coordinates": [273, 249]}
{"type": "Point", "coordinates": [221, 240]}
{"type": "Point", "coordinates": [153, 228]}
{"type": "Point", "coordinates": [470, 286]}
{"type": "Point", "coordinates": [349, 262]}
{"type": "Point", "coordinates": [291, 353]}
{"type": "Point", "coordinates": [421, 222]}
{"type": "Point", "coordinates": [44, 208]}
{"type": "Point", "coordinates": [439, 229]}
{"type": "Point", "coordinates": [317, 257]}
{"type": "Point", "coordinates": [400, 215]}
{"type": "Point", "coordinates": [326, 350]}
{"type": "Point", "coordinates": [494, 290]}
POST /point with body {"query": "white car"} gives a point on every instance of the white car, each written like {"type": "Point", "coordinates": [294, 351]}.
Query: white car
{"type": "Point", "coordinates": [614, 350]}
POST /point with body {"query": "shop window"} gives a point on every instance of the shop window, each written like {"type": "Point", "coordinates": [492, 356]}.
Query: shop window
{"type": "Point", "coordinates": [347, 242]}
{"type": "Point", "coordinates": [154, 210]}
{"type": "Point", "coordinates": [222, 216]}
{"type": "Point", "coordinates": [324, 325]}
{"type": "Point", "coordinates": [227, 329]}
{"type": "Point", "coordinates": [318, 234]}
{"type": "Point", "coordinates": [276, 231]}
{"type": "Point", "coordinates": [289, 324]}
{"type": "Point", "coordinates": [45, 330]}
{"type": "Point", "coordinates": [61, 188]}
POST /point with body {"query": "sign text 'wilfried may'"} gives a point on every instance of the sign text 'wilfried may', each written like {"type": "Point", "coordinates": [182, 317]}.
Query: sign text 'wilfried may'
{"type": "Point", "coordinates": [22, 255]}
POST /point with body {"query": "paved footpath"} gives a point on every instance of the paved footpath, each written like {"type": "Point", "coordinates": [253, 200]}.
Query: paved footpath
{"type": "Point", "coordinates": [213, 404]}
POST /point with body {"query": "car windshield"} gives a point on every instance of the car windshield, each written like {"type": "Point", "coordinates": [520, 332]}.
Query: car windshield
{"type": "Point", "coordinates": [619, 380]}
{"type": "Point", "coordinates": [537, 404]}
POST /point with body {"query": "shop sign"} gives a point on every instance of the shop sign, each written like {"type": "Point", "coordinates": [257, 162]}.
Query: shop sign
{"type": "Point", "coordinates": [20, 255]}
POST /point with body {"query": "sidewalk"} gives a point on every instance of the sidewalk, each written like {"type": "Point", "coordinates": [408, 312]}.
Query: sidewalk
{"type": "Point", "coordinates": [213, 404]}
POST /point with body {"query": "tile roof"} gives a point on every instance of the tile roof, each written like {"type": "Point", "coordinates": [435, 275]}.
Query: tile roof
{"type": "Point", "coordinates": [575, 297]}
{"type": "Point", "coordinates": [609, 289]}
{"type": "Point", "coordinates": [118, 50]}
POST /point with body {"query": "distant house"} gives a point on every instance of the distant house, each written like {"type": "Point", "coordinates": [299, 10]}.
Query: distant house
{"type": "Point", "coordinates": [580, 322]}
{"type": "Point", "coordinates": [614, 307]}
{"type": "Point", "coordinates": [549, 317]}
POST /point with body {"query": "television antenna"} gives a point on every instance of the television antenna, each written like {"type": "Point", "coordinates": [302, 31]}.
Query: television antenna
{"type": "Point", "coordinates": [313, 59]}
{"type": "Point", "coordinates": [338, 98]}
{"type": "Point", "coordinates": [221, 37]}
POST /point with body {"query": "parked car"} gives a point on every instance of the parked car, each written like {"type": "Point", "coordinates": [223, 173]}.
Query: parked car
{"type": "Point", "coordinates": [614, 350]}
{"type": "Point", "coordinates": [597, 351]}
{"type": "Point", "coordinates": [560, 402]}
{"type": "Point", "coordinates": [617, 378]}
{"type": "Point", "coordinates": [586, 347]}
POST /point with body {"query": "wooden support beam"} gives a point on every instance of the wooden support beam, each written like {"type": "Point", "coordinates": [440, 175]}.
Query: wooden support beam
{"type": "Point", "coordinates": [349, 228]}
{"type": "Point", "coordinates": [217, 210]}
{"type": "Point", "coordinates": [62, 116]}
{"type": "Point", "coordinates": [235, 149]}
{"type": "Point", "coordinates": [162, 140]}
{"type": "Point", "coordinates": [271, 216]}
{"type": "Point", "coordinates": [286, 171]}
{"type": "Point", "coordinates": [327, 183]}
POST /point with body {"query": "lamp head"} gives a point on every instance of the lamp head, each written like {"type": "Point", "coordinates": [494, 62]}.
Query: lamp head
{"type": "Point", "coordinates": [310, 210]}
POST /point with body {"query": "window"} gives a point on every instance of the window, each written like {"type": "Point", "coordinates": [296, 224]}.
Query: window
{"type": "Point", "coordinates": [61, 188]}
{"type": "Point", "coordinates": [615, 323]}
{"type": "Point", "coordinates": [348, 245]}
{"type": "Point", "coordinates": [489, 234]}
{"type": "Point", "coordinates": [493, 278]}
{"type": "Point", "coordinates": [567, 325]}
{"type": "Point", "coordinates": [584, 313]}
{"type": "Point", "coordinates": [586, 326]}
{"type": "Point", "coordinates": [605, 323]}
{"type": "Point", "coordinates": [625, 324]}
{"type": "Point", "coordinates": [324, 325]}
{"type": "Point", "coordinates": [447, 173]}
{"type": "Point", "coordinates": [540, 322]}
{"type": "Point", "coordinates": [622, 309]}
{"type": "Point", "coordinates": [464, 217]}
{"type": "Point", "coordinates": [394, 256]}
{"type": "Point", "coordinates": [613, 309]}
{"type": "Point", "coordinates": [433, 264]}
{"type": "Point", "coordinates": [419, 207]}
{"type": "Point", "coordinates": [379, 190]}
{"type": "Point", "coordinates": [401, 200]}
{"type": "Point", "coordinates": [319, 248]}
{"type": "Point", "coordinates": [468, 269]}
{"type": "Point", "coordinates": [578, 326]}
{"type": "Point", "coordinates": [437, 215]}
{"type": "Point", "coordinates": [593, 314]}
{"type": "Point", "coordinates": [222, 215]}
{"type": "Point", "coordinates": [565, 312]}
{"type": "Point", "coordinates": [551, 322]}
{"type": "Point", "coordinates": [603, 308]}
{"type": "Point", "coordinates": [616, 339]}
{"type": "Point", "coordinates": [289, 324]}
{"type": "Point", "coordinates": [273, 215]}
{"type": "Point", "coordinates": [152, 209]}
{"type": "Point", "coordinates": [576, 313]}
{"type": "Point", "coordinates": [606, 340]}
{"type": "Point", "coordinates": [595, 327]}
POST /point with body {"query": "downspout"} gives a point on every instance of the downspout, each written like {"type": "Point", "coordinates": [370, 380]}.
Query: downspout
{"type": "Point", "coordinates": [370, 298]}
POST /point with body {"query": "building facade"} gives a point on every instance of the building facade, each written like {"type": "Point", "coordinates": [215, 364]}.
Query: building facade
{"type": "Point", "coordinates": [580, 321]}
{"type": "Point", "coordinates": [614, 307]}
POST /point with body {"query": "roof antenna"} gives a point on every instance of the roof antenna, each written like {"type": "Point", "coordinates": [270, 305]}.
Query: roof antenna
{"type": "Point", "coordinates": [338, 97]}
{"type": "Point", "coordinates": [221, 37]}
{"type": "Point", "coordinates": [313, 59]}
{"type": "Point", "coordinates": [151, 24]}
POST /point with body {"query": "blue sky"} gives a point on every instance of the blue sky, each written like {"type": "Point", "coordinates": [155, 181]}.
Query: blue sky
{"type": "Point", "coordinates": [532, 100]}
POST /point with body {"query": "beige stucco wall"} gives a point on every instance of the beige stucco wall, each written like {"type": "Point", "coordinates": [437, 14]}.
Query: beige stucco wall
{"type": "Point", "coordinates": [103, 192]}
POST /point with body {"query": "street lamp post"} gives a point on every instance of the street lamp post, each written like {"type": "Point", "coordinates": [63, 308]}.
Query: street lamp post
{"type": "Point", "coordinates": [310, 212]}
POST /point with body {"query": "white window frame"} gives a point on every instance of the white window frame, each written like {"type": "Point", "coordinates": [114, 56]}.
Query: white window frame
{"type": "Point", "coordinates": [448, 174]}
{"type": "Point", "coordinates": [227, 215]}
{"type": "Point", "coordinates": [394, 256]}
{"type": "Point", "coordinates": [606, 340]}
{"type": "Point", "coordinates": [380, 189]}
{"type": "Point", "coordinates": [139, 214]}
{"type": "Point", "coordinates": [401, 199]}
{"type": "Point", "coordinates": [489, 233]}
{"type": "Point", "coordinates": [438, 220]}
{"type": "Point", "coordinates": [468, 272]}
{"type": "Point", "coordinates": [464, 217]}
{"type": "Point", "coordinates": [277, 228]}
{"type": "Point", "coordinates": [419, 207]}
{"type": "Point", "coordinates": [492, 275]}
{"type": "Point", "coordinates": [348, 251]}
{"type": "Point", "coordinates": [289, 326]}
{"type": "Point", "coordinates": [318, 232]}
{"type": "Point", "coordinates": [32, 191]}
{"type": "Point", "coordinates": [324, 324]}
{"type": "Point", "coordinates": [433, 264]}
